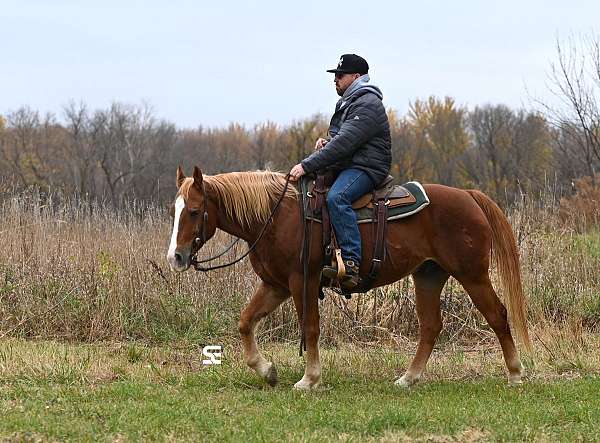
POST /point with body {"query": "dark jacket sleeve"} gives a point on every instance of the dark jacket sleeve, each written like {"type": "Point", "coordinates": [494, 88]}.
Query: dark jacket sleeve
{"type": "Point", "coordinates": [358, 127]}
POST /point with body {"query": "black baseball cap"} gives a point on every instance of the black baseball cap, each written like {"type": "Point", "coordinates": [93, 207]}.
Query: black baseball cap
{"type": "Point", "coordinates": [351, 64]}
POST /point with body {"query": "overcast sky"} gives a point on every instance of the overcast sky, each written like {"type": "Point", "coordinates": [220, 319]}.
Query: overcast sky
{"type": "Point", "coordinates": [211, 63]}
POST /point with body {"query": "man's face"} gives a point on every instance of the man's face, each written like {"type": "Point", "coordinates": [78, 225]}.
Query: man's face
{"type": "Point", "coordinates": [343, 81]}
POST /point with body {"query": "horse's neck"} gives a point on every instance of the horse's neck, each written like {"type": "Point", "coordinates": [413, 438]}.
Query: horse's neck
{"type": "Point", "coordinates": [225, 223]}
{"type": "Point", "coordinates": [231, 224]}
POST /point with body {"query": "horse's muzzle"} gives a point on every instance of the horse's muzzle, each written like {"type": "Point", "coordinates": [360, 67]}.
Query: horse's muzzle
{"type": "Point", "coordinates": [179, 260]}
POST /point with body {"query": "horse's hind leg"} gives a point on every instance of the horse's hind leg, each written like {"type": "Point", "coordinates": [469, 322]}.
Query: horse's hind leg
{"type": "Point", "coordinates": [483, 295]}
{"type": "Point", "coordinates": [429, 280]}
{"type": "Point", "coordinates": [263, 302]}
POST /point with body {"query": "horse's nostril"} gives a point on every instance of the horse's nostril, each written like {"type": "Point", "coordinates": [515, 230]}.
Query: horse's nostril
{"type": "Point", "coordinates": [178, 258]}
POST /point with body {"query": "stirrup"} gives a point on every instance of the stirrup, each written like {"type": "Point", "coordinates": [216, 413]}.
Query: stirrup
{"type": "Point", "coordinates": [349, 276]}
{"type": "Point", "coordinates": [337, 270]}
{"type": "Point", "coordinates": [350, 282]}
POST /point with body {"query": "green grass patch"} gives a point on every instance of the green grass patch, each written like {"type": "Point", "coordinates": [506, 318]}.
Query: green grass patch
{"type": "Point", "coordinates": [234, 407]}
{"type": "Point", "coordinates": [587, 244]}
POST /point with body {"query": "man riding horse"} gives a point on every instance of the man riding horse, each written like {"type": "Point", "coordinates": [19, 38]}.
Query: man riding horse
{"type": "Point", "coordinates": [454, 236]}
{"type": "Point", "coordinates": [358, 151]}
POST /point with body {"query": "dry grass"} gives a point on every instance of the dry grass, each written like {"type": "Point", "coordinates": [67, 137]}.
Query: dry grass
{"type": "Point", "coordinates": [582, 210]}
{"type": "Point", "coordinates": [70, 270]}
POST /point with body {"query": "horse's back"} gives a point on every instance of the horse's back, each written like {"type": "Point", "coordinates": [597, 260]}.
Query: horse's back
{"type": "Point", "coordinates": [449, 204]}
{"type": "Point", "coordinates": [452, 230]}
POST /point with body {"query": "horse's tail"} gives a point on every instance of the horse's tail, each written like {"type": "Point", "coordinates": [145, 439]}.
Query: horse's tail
{"type": "Point", "coordinates": [504, 251]}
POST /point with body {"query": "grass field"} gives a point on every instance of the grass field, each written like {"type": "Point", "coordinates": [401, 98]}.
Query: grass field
{"type": "Point", "coordinates": [125, 392]}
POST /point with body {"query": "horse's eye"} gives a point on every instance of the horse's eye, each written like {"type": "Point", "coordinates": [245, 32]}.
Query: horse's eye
{"type": "Point", "coordinates": [194, 212]}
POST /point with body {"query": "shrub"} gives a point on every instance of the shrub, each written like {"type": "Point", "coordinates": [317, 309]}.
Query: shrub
{"type": "Point", "coordinates": [582, 210]}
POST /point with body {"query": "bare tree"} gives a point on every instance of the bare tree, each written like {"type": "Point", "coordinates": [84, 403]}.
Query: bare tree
{"type": "Point", "coordinates": [509, 149]}
{"type": "Point", "coordinates": [130, 149]}
{"type": "Point", "coordinates": [575, 81]}
{"type": "Point", "coordinates": [30, 147]}
{"type": "Point", "coordinates": [82, 154]}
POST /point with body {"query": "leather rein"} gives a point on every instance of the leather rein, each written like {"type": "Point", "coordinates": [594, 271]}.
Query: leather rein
{"type": "Point", "coordinates": [201, 239]}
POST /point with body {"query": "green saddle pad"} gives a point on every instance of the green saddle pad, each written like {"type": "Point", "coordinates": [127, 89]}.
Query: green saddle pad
{"type": "Point", "coordinates": [365, 215]}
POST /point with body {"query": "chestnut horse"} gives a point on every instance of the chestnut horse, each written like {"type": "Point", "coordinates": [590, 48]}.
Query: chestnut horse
{"type": "Point", "coordinates": [453, 236]}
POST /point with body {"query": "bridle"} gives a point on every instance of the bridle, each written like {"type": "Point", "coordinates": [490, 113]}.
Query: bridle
{"type": "Point", "coordinates": [200, 237]}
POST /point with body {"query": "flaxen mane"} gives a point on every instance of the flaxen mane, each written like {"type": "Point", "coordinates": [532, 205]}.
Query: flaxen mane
{"type": "Point", "coordinates": [247, 197]}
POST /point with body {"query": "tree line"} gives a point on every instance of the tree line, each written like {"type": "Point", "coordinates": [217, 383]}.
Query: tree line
{"type": "Point", "coordinates": [125, 152]}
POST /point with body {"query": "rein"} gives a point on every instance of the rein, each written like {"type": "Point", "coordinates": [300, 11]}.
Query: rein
{"type": "Point", "coordinates": [201, 239]}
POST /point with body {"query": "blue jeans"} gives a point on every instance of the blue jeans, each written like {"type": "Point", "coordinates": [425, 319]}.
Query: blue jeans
{"type": "Point", "coordinates": [348, 187]}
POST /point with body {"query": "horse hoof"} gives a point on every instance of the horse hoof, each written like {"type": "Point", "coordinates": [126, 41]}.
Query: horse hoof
{"type": "Point", "coordinates": [405, 382]}
{"type": "Point", "coordinates": [271, 377]}
{"type": "Point", "coordinates": [305, 385]}
{"type": "Point", "coordinates": [515, 380]}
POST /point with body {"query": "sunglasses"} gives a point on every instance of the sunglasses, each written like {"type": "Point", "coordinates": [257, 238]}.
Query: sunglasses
{"type": "Point", "coordinates": [339, 75]}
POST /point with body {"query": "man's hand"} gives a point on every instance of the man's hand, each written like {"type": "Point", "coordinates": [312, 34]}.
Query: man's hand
{"type": "Point", "coordinates": [297, 172]}
{"type": "Point", "coordinates": [320, 143]}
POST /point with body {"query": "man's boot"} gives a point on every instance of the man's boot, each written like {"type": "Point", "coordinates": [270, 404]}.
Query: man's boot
{"type": "Point", "coordinates": [330, 272]}
{"type": "Point", "coordinates": [348, 281]}
{"type": "Point", "coordinates": [351, 280]}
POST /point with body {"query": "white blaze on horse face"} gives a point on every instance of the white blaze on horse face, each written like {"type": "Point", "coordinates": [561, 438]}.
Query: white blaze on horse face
{"type": "Point", "coordinates": [179, 205]}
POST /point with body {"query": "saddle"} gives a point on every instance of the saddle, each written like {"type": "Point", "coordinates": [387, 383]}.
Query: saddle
{"type": "Point", "coordinates": [393, 195]}
{"type": "Point", "coordinates": [385, 196]}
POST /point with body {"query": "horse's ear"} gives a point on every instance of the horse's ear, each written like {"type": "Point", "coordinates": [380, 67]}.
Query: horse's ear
{"type": "Point", "coordinates": [180, 177]}
{"type": "Point", "coordinates": [197, 176]}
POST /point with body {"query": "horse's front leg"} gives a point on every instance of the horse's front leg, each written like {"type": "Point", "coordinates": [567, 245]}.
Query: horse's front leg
{"type": "Point", "coordinates": [263, 302]}
{"type": "Point", "coordinates": [312, 371]}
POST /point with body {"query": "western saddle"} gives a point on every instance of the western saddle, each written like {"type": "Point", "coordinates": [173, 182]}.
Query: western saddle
{"type": "Point", "coordinates": [387, 195]}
